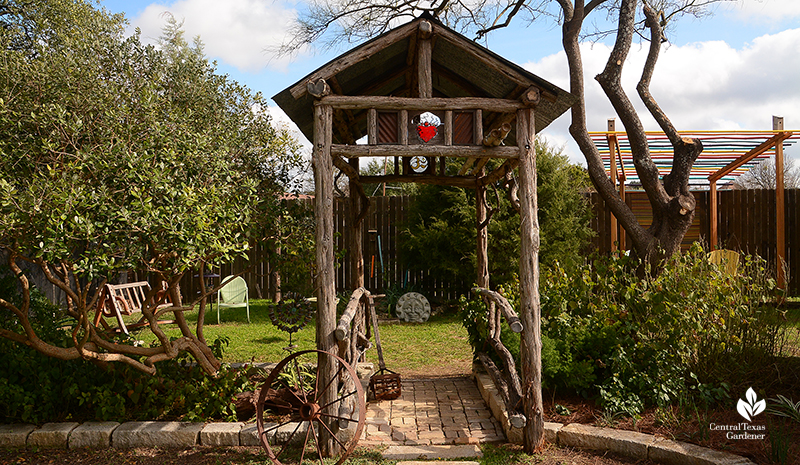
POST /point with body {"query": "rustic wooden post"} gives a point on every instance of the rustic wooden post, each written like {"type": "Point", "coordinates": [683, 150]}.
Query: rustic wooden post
{"type": "Point", "coordinates": [355, 243]}
{"type": "Point", "coordinates": [530, 312]}
{"type": "Point", "coordinates": [322, 163]}
{"type": "Point", "coordinates": [780, 210]}
{"type": "Point", "coordinates": [483, 237]}
{"type": "Point", "coordinates": [712, 208]}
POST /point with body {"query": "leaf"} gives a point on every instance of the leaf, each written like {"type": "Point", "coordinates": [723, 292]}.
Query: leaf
{"type": "Point", "coordinates": [744, 409]}
{"type": "Point", "coordinates": [752, 397]}
{"type": "Point", "coordinates": [759, 407]}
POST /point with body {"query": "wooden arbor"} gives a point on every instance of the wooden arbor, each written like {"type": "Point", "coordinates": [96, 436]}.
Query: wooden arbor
{"type": "Point", "coordinates": [421, 93]}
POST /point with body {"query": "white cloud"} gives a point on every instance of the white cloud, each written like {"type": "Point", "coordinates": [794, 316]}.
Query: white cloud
{"type": "Point", "coordinates": [700, 86]}
{"type": "Point", "coordinates": [764, 10]}
{"type": "Point", "coordinates": [235, 32]}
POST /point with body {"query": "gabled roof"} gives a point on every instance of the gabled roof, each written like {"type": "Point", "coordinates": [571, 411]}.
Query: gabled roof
{"type": "Point", "coordinates": [385, 66]}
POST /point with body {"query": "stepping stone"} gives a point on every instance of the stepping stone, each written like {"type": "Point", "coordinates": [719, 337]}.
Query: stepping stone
{"type": "Point", "coordinates": [431, 452]}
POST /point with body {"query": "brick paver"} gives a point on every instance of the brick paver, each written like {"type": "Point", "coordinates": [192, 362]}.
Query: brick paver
{"type": "Point", "coordinates": [432, 412]}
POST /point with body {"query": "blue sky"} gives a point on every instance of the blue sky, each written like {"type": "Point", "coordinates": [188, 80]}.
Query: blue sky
{"type": "Point", "coordinates": [731, 71]}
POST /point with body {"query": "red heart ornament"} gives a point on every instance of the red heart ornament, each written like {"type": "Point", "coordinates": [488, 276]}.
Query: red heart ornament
{"type": "Point", "coordinates": [426, 131]}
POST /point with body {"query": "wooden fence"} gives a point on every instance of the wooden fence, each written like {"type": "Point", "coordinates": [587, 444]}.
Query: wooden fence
{"type": "Point", "coordinates": [383, 265]}
{"type": "Point", "coordinates": [746, 223]}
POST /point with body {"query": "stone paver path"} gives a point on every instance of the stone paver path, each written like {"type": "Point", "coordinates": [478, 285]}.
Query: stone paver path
{"type": "Point", "coordinates": [432, 412]}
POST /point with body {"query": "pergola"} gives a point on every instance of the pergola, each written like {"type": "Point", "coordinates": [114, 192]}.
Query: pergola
{"type": "Point", "coordinates": [726, 155]}
{"type": "Point", "coordinates": [422, 93]}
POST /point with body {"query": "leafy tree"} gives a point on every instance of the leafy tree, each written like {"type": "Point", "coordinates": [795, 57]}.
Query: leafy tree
{"type": "Point", "coordinates": [334, 21]}
{"type": "Point", "coordinates": [441, 233]}
{"type": "Point", "coordinates": [118, 156]}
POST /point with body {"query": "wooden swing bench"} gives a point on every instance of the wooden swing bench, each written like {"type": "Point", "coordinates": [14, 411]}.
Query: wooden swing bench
{"type": "Point", "coordinates": [118, 300]}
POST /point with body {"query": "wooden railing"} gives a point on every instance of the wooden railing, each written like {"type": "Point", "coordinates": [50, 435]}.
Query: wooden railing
{"type": "Point", "coordinates": [506, 381]}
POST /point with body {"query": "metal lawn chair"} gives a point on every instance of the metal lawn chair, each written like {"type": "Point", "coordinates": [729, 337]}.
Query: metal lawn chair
{"type": "Point", "coordinates": [233, 294]}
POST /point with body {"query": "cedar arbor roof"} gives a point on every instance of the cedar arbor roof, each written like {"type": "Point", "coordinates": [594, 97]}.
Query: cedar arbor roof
{"type": "Point", "coordinates": [387, 66]}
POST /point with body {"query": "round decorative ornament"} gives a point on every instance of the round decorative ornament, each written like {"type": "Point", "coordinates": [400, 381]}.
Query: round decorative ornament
{"type": "Point", "coordinates": [413, 307]}
{"type": "Point", "coordinates": [419, 164]}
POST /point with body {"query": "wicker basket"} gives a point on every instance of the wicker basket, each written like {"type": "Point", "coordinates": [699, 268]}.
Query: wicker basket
{"type": "Point", "coordinates": [385, 386]}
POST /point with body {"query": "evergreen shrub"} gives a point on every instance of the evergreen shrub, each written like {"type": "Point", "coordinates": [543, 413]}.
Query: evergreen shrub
{"type": "Point", "coordinates": [680, 336]}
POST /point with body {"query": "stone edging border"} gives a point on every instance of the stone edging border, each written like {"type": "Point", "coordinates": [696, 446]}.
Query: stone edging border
{"type": "Point", "coordinates": [167, 434]}
{"type": "Point", "coordinates": [631, 444]}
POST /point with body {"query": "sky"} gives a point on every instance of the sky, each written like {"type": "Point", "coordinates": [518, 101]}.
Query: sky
{"type": "Point", "coordinates": [732, 71]}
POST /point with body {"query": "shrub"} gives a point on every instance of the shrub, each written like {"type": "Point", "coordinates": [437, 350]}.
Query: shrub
{"type": "Point", "coordinates": [35, 388]}
{"type": "Point", "coordinates": [634, 341]}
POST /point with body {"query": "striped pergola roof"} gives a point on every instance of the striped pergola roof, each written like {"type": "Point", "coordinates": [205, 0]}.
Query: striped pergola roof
{"type": "Point", "coordinates": [721, 150]}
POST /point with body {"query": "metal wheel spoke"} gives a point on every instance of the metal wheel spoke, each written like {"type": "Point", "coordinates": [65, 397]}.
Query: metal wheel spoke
{"type": "Point", "coordinates": [300, 381]}
{"type": "Point", "coordinates": [338, 400]}
{"type": "Point", "coordinates": [336, 417]}
{"type": "Point", "coordinates": [289, 441]}
{"type": "Point", "coordinates": [332, 435]}
{"type": "Point", "coordinates": [276, 426]}
{"type": "Point", "coordinates": [335, 377]}
{"type": "Point", "coordinates": [316, 442]}
{"type": "Point", "coordinates": [305, 442]}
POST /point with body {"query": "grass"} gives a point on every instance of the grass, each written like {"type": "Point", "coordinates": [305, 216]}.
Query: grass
{"type": "Point", "coordinates": [439, 346]}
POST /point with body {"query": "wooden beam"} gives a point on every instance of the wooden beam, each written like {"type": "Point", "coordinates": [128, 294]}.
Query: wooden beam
{"type": "Point", "coordinates": [360, 54]}
{"type": "Point", "coordinates": [497, 135]}
{"type": "Point", "coordinates": [465, 168]}
{"type": "Point", "coordinates": [500, 172]}
{"type": "Point", "coordinates": [343, 328]}
{"type": "Point", "coordinates": [530, 311]}
{"type": "Point", "coordinates": [360, 102]}
{"type": "Point", "coordinates": [372, 126]}
{"type": "Point", "coordinates": [424, 52]}
{"type": "Point", "coordinates": [402, 127]}
{"type": "Point", "coordinates": [766, 145]}
{"type": "Point", "coordinates": [477, 171]}
{"type": "Point", "coordinates": [712, 204]}
{"type": "Point", "coordinates": [477, 130]}
{"type": "Point", "coordinates": [318, 88]}
{"type": "Point", "coordinates": [532, 96]}
{"type": "Point", "coordinates": [482, 245]}
{"type": "Point", "coordinates": [467, 182]}
{"type": "Point", "coordinates": [448, 127]}
{"type": "Point", "coordinates": [780, 209]}
{"type": "Point", "coordinates": [457, 151]}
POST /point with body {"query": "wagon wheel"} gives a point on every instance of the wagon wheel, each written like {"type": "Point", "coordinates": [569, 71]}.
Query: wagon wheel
{"type": "Point", "coordinates": [291, 414]}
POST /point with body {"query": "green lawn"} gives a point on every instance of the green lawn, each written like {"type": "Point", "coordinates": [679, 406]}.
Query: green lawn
{"type": "Point", "coordinates": [438, 347]}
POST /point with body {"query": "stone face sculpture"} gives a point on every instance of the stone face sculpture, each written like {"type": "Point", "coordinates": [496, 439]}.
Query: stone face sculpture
{"type": "Point", "coordinates": [413, 307]}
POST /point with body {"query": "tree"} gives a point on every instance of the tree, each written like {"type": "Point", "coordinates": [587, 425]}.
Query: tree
{"type": "Point", "coordinates": [334, 21]}
{"type": "Point", "coordinates": [441, 227]}
{"type": "Point", "coordinates": [117, 156]}
{"type": "Point", "coordinates": [762, 176]}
